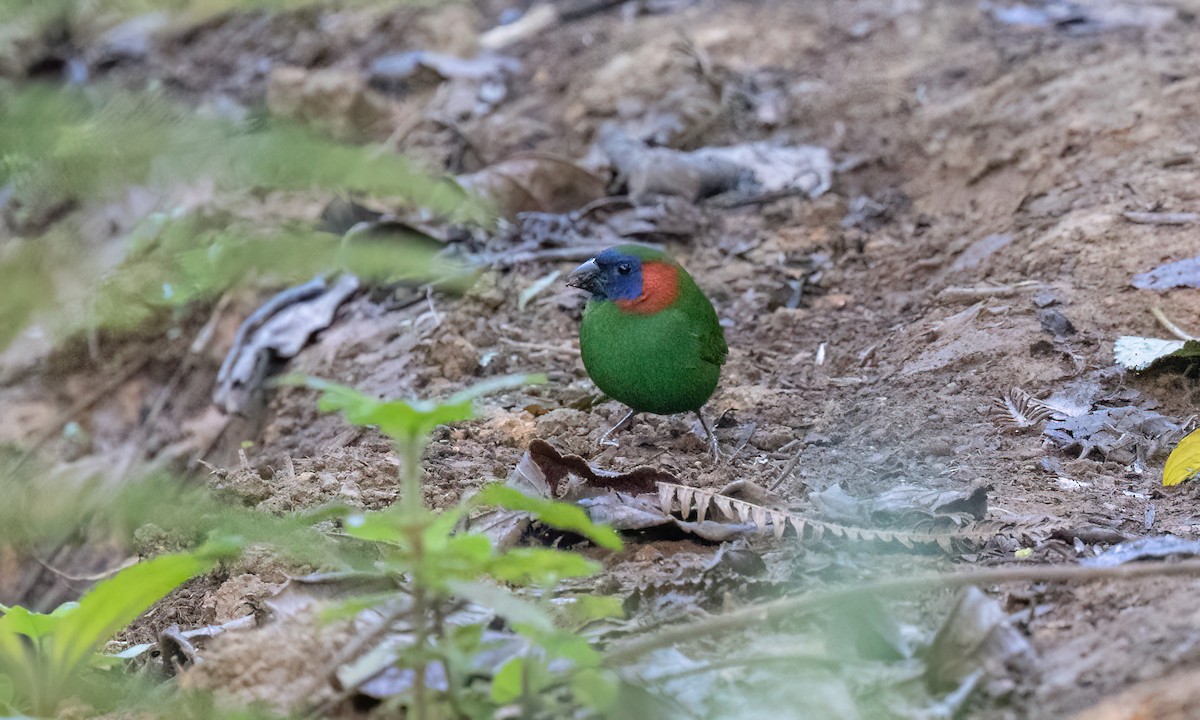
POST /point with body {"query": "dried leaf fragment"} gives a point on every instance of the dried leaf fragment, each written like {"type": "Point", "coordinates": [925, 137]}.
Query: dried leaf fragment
{"type": "Point", "coordinates": [1019, 410]}
{"type": "Point", "coordinates": [552, 468]}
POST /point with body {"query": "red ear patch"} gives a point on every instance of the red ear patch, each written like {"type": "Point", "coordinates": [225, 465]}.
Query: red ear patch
{"type": "Point", "coordinates": [660, 288]}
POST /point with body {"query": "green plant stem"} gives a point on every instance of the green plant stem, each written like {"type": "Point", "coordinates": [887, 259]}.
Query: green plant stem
{"type": "Point", "coordinates": [809, 659]}
{"type": "Point", "coordinates": [420, 606]}
{"type": "Point", "coordinates": [410, 480]}
{"type": "Point", "coordinates": [527, 699]}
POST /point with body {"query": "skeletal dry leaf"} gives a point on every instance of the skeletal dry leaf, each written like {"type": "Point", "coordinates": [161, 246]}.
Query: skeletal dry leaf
{"type": "Point", "coordinates": [1018, 410]}
{"type": "Point", "coordinates": [776, 521]}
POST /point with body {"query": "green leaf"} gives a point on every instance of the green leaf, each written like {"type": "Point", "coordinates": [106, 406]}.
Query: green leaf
{"type": "Point", "coordinates": [566, 645]}
{"type": "Point", "coordinates": [36, 625]}
{"type": "Point", "coordinates": [595, 688]}
{"type": "Point", "coordinates": [507, 684]}
{"type": "Point", "coordinates": [579, 610]}
{"type": "Point", "coordinates": [114, 603]}
{"type": "Point", "coordinates": [540, 565]}
{"type": "Point", "coordinates": [505, 604]}
{"type": "Point", "coordinates": [385, 526]}
{"type": "Point", "coordinates": [443, 525]}
{"type": "Point", "coordinates": [7, 692]}
{"type": "Point", "coordinates": [462, 557]}
{"type": "Point", "coordinates": [504, 382]}
{"type": "Point", "coordinates": [403, 420]}
{"type": "Point", "coordinates": [563, 516]}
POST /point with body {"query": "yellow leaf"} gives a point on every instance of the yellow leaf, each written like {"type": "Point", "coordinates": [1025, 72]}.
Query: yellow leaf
{"type": "Point", "coordinates": [1184, 461]}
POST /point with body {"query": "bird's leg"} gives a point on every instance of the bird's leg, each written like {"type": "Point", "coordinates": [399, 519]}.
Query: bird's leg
{"type": "Point", "coordinates": [712, 437]}
{"type": "Point", "coordinates": [625, 422]}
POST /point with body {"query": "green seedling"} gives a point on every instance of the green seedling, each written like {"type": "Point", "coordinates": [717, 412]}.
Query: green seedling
{"type": "Point", "coordinates": [420, 550]}
{"type": "Point", "coordinates": [42, 656]}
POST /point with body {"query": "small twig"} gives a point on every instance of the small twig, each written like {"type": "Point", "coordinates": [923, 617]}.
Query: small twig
{"type": "Point", "coordinates": [539, 346]}
{"type": "Point", "coordinates": [787, 470]}
{"type": "Point", "coordinates": [1155, 218]}
{"type": "Point", "coordinates": [738, 200]}
{"type": "Point", "coordinates": [128, 562]}
{"type": "Point", "coordinates": [976, 293]}
{"type": "Point", "coordinates": [799, 658]}
{"type": "Point", "coordinates": [437, 317]}
{"type": "Point", "coordinates": [1170, 326]}
{"type": "Point", "coordinates": [747, 433]}
{"type": "Point", "coordinates": [186, 366]}
{"type": "Point", "coordinates": [354, 649]}
{"type": "Point", "coordinates": [757, 615]}
{"type": "Point", "coordinates": [577, 253]}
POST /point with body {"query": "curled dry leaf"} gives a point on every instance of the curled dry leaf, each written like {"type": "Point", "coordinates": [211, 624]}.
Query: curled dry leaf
{"type": "Point", "coordinates": [977, 638]}
{"type": "Point", "coordinates": [544, 472]}
{"type": "Point", "coordinates": [404, 71]}
{"type": "Point", "coordinates": [542, 464]}
{"type": "Point", "coordinates": [1182, 273]}
{"type": "Point", "coordinates": [534, 183]}
{"type": "Point", "coordinates": [904, 506]}
{"type": "Point", "coordinates": [612, 221]}
{"type": "Point", "coordinates": [1142, 549]}
{"type": "Point", "coordinates": [647, 498]}
{"type": "Point", "coordinates": [749, 170]}
{"type": "Point", "coordinates": [280, 328]}
{"type": "Point", "coordinates": [1123, 434]}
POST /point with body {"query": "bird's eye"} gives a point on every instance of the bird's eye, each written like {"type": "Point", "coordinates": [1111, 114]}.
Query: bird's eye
{"type": "Point", "coordinates": [624, 268]}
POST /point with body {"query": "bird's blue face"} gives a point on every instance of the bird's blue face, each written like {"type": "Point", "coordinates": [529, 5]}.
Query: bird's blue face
{"type": "Point", "coordinates": [611, 275]}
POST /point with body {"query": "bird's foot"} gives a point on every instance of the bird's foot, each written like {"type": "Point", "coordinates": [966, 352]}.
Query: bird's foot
{"type": "Point", "coordinates": [606, 439]}
{"type": "Point", "coordinates": [712, 438]}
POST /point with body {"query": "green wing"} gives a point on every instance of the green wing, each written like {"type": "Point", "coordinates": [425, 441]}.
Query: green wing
{"type": "Point", "coordinates": [704, 323]}
{"type": "Point", "coordinates": [712, 345]}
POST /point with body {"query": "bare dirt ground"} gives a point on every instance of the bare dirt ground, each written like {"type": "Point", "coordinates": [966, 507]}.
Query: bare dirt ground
{"type": "Point", "coordinates": [983, 169]}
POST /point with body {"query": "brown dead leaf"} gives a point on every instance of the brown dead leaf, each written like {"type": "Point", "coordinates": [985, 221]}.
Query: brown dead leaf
{"type": "Point", "coordinates": [544, 466]}
{"type": "Point", "coordinates": [534, 183]}
{"type": "Point", "coordinates": [280, 328]}
{"type": "Point", "coordinates": [977, 638]}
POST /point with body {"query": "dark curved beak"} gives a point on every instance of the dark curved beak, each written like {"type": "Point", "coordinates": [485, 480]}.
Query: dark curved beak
{"type": "Point", "coordinates": [586, 277]}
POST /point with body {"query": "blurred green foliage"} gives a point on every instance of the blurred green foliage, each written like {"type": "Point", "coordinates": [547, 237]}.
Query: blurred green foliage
{"type": "Point", "coordinates": [62, 147]}
{"type": "Point", "coordinates": [44, 509]}
{"type": "Point", "coordinates": [41, 654]}
{"type": "Point", "coordinates": [58, 143]}
{"type": "Point", "coordinates": [102, 13]}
